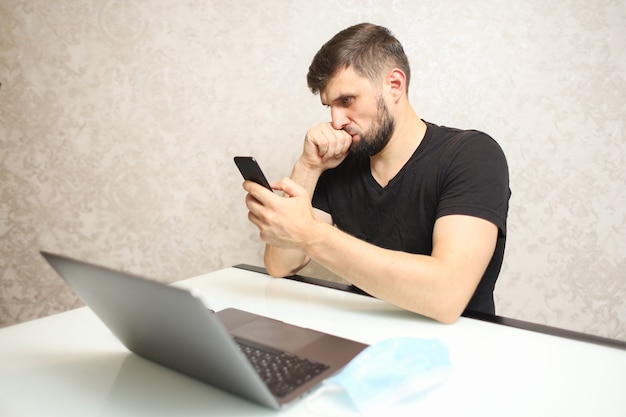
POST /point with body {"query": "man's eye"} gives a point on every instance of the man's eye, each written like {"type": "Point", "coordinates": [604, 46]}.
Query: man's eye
{"type": "Point", "coordinates": [346, 101]}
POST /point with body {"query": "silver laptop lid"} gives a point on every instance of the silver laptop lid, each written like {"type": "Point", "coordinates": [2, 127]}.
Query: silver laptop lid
{"type": "Point", "coordinates": [165, 324]}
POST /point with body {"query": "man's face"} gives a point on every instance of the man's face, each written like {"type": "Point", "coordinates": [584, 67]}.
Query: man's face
{"type": "Point", "coordinates": [377, 135]}
{"type": "Point", "coordinates": [357, 106]}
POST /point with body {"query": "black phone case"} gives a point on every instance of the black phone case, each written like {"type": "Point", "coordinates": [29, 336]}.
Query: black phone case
{"type": "Point", "coordinates": [251, 170]}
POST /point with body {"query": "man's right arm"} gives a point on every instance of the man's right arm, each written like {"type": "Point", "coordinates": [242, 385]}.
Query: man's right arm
{"type": "Point", "coordinates": [324, 147]}
{"type": "Point", "coordinates": [281, 262]}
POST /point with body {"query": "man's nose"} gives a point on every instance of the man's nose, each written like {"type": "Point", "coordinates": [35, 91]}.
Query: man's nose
{"type": "Point", "coordinates": [339, 119]}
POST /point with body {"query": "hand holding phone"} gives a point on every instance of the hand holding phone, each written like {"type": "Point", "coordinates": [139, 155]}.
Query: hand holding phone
{"type": "Point", "coordinates": [250, 170]}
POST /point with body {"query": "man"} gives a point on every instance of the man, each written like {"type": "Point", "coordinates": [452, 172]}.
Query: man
{"type": "Point", "coordinates": [408, 211]}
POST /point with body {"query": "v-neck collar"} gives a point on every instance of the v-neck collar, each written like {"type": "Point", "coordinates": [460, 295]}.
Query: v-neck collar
{"type": "Point", "coordinates": [374, 183]}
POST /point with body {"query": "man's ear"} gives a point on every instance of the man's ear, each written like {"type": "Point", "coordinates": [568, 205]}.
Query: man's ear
{"type": "Point", "coordinates": [396, 81]}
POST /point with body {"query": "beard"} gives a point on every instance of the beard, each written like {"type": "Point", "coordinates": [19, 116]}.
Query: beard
{"type": "Point", "coordinates": [377, 136]}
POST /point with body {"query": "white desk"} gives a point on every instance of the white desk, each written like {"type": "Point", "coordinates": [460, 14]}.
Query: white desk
{"type": "Point", "coordinates": [69, 364]}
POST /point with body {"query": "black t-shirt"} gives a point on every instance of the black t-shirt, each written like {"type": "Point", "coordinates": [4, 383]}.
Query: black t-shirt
{"type": "Point", "coordinates": [452, 172]}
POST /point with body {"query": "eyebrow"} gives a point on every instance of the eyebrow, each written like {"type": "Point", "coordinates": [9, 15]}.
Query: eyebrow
{"type": "Point", "coordinates": [339, 98]}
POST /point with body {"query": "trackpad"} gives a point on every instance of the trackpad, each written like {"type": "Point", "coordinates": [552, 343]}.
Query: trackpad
{"type": "Point", "coordinates": [276, 334]}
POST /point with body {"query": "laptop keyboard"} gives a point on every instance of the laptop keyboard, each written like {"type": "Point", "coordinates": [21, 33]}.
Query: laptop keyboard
{"type": "Point", "coordinates": [281, 371]}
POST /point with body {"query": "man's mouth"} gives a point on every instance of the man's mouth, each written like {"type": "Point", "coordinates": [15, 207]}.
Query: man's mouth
{"type": "Point", "coordinates": [354, 135]}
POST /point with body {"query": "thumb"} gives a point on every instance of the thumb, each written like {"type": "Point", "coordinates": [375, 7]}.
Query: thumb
{"type": "Point", "coordinates": [289, 187]}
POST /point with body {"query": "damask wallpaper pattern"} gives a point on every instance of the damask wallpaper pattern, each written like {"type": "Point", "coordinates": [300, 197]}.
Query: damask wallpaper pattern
{"type": "Point", "coordinates": [119, 121]}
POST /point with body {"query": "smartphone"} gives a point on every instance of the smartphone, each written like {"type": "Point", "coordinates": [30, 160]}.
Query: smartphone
{"type": "Point", "coordinates": [251, 170]}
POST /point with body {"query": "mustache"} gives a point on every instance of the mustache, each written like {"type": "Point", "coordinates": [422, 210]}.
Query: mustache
{"type": "Point", "coordinates": [351, 131]}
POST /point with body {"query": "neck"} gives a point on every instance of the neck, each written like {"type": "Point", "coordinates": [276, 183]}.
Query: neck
{"type": "Point", "coordinates": [407, 136]}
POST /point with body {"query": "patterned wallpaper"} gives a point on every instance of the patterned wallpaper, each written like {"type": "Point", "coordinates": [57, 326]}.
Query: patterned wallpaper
{"type": "Point", "coordinates": [119, 121]}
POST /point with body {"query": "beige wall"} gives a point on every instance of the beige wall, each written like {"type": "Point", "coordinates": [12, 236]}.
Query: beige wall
{"type": "Point", "coordinates": [119, 121]}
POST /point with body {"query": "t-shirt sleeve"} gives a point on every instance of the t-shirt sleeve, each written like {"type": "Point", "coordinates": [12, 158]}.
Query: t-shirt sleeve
{"type": "Point", "coordinates": [476, 182]}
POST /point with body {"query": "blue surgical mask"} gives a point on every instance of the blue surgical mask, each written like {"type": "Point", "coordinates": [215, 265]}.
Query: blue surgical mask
{"type": "Point", "coordinates": [390, 371]}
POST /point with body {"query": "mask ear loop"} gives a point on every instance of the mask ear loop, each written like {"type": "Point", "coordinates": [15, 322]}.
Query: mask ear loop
{"type": "Point", "coordinates": [331, 408]}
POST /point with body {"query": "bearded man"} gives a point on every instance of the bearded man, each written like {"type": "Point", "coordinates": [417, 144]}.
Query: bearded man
{"type": "Point", "coordinates": [408, 211]}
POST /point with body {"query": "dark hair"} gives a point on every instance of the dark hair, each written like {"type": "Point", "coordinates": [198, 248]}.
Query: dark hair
{"type": "Point", "coordinates": [367, 48]}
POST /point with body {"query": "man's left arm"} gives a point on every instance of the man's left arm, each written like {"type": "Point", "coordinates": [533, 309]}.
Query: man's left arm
{"type": "Point", "coordinates": [439, 285]}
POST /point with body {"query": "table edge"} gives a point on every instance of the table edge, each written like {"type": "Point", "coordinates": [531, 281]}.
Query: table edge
{"type": "Point", "coordinates": [491, 318]}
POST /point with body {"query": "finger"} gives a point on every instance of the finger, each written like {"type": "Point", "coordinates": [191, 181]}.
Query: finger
{"type": "Point", "coordinates": [252, 204]}
{"type": "Point", "coordinates": [347, 143]}
{"type": "Point", "coordinates": [328, 141]}
{"type": "Point", "coordinates": [257, 191]}
{"type": "Point", "coordinates": [341, 143]}
{"type": "Point", "coordinates": [254, 219]}
{"type": "Point", "coordinates": [322, 142]}
{"type": "Point", "coordinates": [334, 145]}
{"type": "Point", "coordinates": [331, 145]}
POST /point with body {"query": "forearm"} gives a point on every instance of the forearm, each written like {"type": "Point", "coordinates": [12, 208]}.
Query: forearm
{"type": "Point", "coordinates": [403, 279]}
{"type": "Point", "coordinates": [281, 262]}
{"type": "Point", "coordinates": [438, 286]}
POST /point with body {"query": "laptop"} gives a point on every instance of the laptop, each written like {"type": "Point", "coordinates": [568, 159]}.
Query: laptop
{"type": "Point", "coordinates": [240, 352]}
